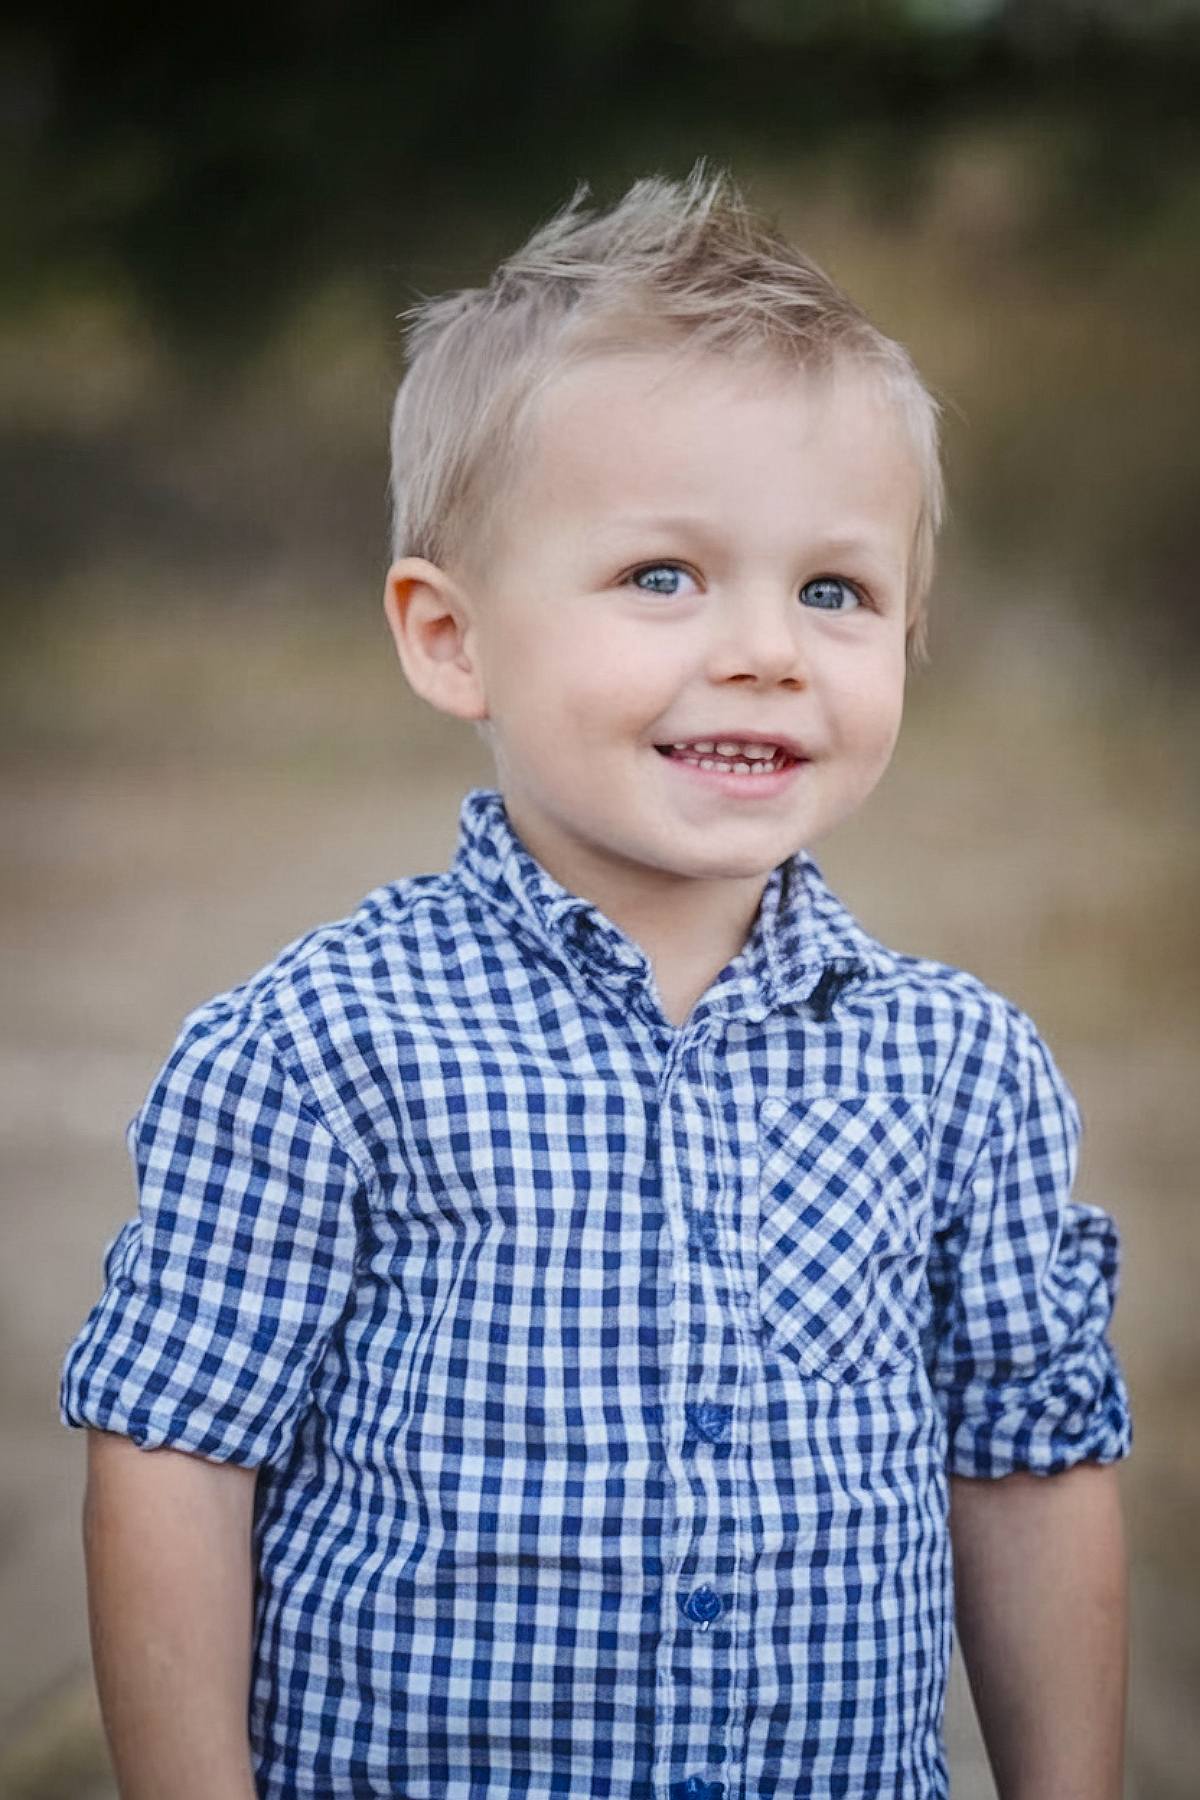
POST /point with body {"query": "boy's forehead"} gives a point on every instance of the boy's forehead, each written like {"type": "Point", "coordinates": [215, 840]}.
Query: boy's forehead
{"type": "Point", "coordinates": [601, 390]}
{"type": "Point", "coordinates": [651, 432]}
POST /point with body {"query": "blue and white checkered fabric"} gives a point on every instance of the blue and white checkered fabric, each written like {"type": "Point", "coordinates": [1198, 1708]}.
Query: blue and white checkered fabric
{"type": "Point", "coordinates": [603, 1378]}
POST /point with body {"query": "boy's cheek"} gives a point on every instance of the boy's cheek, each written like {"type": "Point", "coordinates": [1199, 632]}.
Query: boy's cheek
{"type": "Point", "coordinates": [871, 701]}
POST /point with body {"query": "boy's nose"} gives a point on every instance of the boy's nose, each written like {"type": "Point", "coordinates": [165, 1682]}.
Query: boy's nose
{"type": "Point", "coordinates": [761, 641]}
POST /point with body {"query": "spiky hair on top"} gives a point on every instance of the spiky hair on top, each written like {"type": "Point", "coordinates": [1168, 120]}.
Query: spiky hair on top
{"type": "Point", "coordinates": [685, 265]}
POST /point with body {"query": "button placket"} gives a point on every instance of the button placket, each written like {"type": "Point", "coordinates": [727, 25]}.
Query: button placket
{"type": "Point", "coordinates": [702, 1230]}
{"type": "Point", "coordinates": [706, 1518]}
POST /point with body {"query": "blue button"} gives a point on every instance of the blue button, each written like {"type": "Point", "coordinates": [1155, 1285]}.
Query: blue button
{"type": "Point", "coordinates": [708, 1420]}
{"type": "Point", "coordinates": [697, 1788]}
{"type": "Point", "coordinates": [702, 1606]}
{"type": "Point", "coordinates": [702, 1231]}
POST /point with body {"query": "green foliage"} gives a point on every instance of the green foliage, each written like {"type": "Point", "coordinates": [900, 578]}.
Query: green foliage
{"type": "Point", "coordinates": [217, 160]}
{"type": "Point", "coordinates": [219, 212]}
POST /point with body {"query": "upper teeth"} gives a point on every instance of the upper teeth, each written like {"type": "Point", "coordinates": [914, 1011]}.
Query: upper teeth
{"type": "Point", "coordinates": [728, 748]}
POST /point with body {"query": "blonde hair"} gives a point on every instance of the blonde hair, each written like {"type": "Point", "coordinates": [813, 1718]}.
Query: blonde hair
{"type": "Point", "coordinates": [684, 265]}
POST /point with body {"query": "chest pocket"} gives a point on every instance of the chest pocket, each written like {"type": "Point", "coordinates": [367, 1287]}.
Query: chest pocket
{"type": "Point", "coordinates": [842, 1232]}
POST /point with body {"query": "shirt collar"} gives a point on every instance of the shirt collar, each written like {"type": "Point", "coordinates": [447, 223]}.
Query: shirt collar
{"type": "Point", "coordinates": [803, 947]}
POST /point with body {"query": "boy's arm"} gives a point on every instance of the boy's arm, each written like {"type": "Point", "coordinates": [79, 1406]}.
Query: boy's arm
{"type": "Point", "coordinates": [1040, 1578]}
{"type": "Point", "coordinates": [170, 1585]}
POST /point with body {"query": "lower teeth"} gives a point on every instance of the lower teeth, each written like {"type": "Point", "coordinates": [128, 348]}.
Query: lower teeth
{"type": "Point", "coordinates": [719, 766]}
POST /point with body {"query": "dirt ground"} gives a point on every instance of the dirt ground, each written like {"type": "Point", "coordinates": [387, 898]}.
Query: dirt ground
{"type": "Point", "coordinates": [1026, 845]}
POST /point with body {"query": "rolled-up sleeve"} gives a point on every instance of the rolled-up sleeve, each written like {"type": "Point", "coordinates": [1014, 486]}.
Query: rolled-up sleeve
{"type": "Point", "coordinates": [222, 1292]}
{"type": "Point", "coordinates": [1025, 1280]}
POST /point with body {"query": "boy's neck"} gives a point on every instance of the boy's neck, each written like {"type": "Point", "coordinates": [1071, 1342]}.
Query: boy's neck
{"type": "Point", "coordinates": [688, 929]}
{"type": "Point", "coordinates": [688, 936]}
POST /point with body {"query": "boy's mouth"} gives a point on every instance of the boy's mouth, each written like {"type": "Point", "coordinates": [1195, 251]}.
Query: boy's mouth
{"type": "Point", "coordinates": [732, 756]}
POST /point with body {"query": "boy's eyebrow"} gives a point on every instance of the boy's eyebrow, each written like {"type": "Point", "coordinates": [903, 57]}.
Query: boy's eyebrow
{"type": "Point", "coordinates": [835, 545]}
{"type": "Point", "coordinates": [665, 522]}
{"type": "Point", "coordinates": [865, 548]}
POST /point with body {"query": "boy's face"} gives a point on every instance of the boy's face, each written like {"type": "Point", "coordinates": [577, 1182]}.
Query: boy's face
{"type": "Point", "coordinates": [700, 564]}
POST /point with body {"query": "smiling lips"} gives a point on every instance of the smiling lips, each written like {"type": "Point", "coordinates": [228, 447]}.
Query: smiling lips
{"type": "Point", "coordinates": [732, 756]}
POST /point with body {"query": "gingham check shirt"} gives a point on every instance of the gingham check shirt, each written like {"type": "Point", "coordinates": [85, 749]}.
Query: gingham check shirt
{"type": "Point", "coordinates": [603, 1377]}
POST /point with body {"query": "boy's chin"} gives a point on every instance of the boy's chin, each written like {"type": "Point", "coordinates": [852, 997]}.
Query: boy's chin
{"type": "Point", "coordinates": [745, 868]}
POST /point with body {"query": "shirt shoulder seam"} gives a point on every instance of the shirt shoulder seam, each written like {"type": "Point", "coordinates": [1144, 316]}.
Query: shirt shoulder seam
{"type": "Point", "coordinates": [255, 1015]}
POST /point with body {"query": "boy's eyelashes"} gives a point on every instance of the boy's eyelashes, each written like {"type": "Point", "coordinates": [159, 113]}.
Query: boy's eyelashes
{"type": "Point", "coordinates": [824, 593]}
{"type": "Point", "coordinates": [832, 593]}
{"type": "Point", "coordinates": [660, 578]}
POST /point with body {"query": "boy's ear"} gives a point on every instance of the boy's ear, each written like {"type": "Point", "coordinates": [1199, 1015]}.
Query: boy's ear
{"type": "Point", "coordinates": [429, 616]}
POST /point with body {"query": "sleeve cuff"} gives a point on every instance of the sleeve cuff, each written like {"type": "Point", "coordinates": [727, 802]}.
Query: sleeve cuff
{"type": "Point", "coordinates": [1070, 1413]}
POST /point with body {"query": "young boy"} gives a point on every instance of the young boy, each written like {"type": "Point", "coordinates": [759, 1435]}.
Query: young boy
{"type": "Point", "coordinates": [577, 1299]}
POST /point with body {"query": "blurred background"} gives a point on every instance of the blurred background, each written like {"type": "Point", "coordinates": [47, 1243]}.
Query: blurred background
{"type": "Point", "coordinates": [216, 215]}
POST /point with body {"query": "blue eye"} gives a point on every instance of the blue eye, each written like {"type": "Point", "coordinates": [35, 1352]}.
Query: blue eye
{"type": "Point", "coordinates": [659, 578]}
{"type": "Point", "coordinates": [830, 594]}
